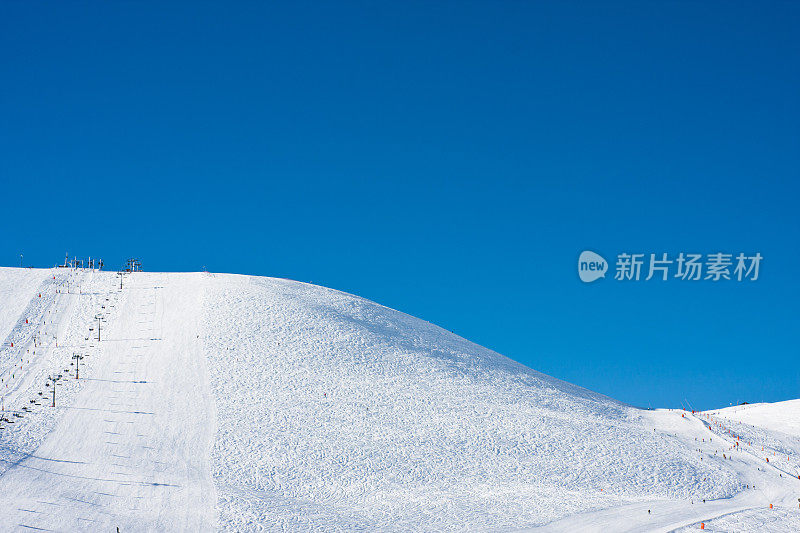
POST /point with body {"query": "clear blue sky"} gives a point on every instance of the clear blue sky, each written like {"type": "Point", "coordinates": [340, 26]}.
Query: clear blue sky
{"type": "Point", "coordinates": [448, 159]}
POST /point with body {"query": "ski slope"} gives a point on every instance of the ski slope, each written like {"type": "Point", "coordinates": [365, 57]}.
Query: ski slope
{"type": "Point", "coordinates": [17, 285]}
{"type": "Point", "coordinates": [240, 403]}
{"type": "Point", "coordinates": [783, 417]}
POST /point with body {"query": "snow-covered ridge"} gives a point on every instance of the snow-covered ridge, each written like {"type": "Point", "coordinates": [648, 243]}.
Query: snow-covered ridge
{"type": "Point", "coordinates": [779, 416]}
{"type": "Point", "coordinates": [231, 402]}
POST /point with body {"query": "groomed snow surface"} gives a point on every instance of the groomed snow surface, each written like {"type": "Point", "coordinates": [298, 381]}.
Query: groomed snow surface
{"type": "Point", "coordinates": [239, 403]}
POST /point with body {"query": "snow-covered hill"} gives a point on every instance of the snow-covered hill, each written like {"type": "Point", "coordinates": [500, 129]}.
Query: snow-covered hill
{"type": "Point", "coordinates": [781, 416]}
{"type": "Point", "coordinates": [244, 403]}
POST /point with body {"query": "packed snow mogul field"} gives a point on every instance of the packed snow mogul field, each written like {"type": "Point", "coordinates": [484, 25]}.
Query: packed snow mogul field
{"type": "Point", "coordinates": [238, 403]}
